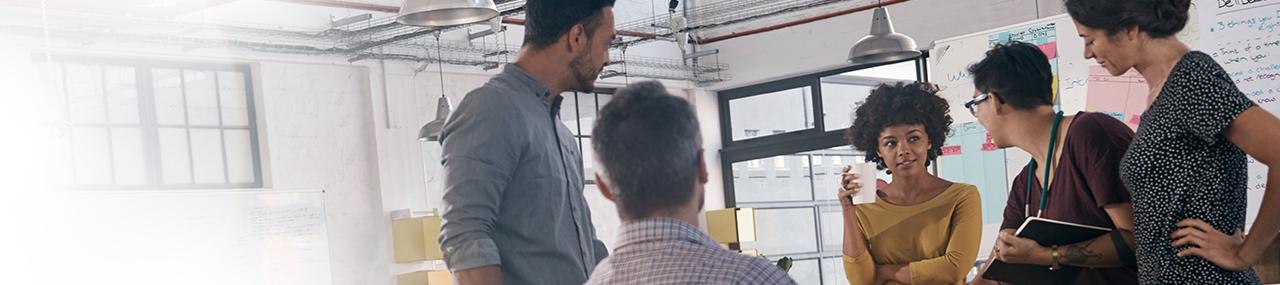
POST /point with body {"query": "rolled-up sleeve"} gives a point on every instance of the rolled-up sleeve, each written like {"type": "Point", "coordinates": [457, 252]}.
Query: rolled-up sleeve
{"type": "Point", "coordinates": [481, 150]}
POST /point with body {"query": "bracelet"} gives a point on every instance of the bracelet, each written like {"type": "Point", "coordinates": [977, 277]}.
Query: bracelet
{"type": "Point", "coordinates": [1055, 266]}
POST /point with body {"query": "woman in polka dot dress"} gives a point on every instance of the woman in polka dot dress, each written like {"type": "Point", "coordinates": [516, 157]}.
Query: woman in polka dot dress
{"type": "Point", "coordinates": [1186, 167]}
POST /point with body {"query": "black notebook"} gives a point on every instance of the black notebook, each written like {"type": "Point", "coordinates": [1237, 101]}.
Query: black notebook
{"type": "Point", "coordinates": [1046, 232]}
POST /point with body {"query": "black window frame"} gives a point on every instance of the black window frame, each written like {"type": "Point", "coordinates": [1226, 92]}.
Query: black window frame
{"type": "Point", "coordinates": [589, 178]}
{"type": "Point", "coordinates": [809, 139]}
{"type": "Point", "coordinates": [149, 126]}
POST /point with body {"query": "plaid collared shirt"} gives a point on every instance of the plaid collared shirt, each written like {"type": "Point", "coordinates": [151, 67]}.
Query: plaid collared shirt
{"type": "Point", "coordinates": [670, 251]}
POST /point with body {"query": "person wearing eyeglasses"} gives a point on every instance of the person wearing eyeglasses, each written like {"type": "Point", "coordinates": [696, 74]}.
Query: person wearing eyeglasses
{"type": "Point", "coordinates": [1072, 176]}
{"type": "Point", "coordinates": [921, 229]}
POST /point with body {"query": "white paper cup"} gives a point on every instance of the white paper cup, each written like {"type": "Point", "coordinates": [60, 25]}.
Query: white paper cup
{"type": "Point", "coordinates": [867, 177]}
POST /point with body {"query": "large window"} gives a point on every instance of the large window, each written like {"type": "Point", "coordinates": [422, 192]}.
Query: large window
{"type": "Point", "coordinates": [784, 149]}
{"type": "Point", "coordinates": [578, 112]}
{"type": "Point", "coordinates": [131, 125]}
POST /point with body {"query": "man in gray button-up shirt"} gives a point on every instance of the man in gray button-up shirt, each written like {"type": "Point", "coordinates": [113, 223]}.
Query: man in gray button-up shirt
{"type": "Point", "coordinates": [514, 210]}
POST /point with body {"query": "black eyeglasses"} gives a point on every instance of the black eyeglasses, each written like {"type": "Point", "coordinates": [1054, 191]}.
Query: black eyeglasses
{"type": "Point", "coordinates": [972, 105]}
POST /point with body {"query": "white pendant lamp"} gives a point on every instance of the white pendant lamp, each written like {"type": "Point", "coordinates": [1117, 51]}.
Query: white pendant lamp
{"type": "Point", "coordinates": [883, 44]}
{"type": "Point", "coordinates": [431, 131]}
{"type": "Point", "coordinates": [436, 13]}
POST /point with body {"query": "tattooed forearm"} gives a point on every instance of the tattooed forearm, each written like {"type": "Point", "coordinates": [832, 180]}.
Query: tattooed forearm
{"type": "Point", "coordinates": [1080, 253]}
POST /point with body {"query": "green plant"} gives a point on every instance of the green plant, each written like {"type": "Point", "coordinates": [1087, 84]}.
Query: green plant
{"type": "Point", "coordinates": [785, 264]}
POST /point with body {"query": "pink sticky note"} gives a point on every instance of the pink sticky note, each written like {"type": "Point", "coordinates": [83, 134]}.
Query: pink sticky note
{"type": "Point", "coordinates": [989, 147]}
{"type": "Point", "coordinates": [1050, 49]}
{"type": "Point", "coordinates": [1137, 118]}
{"type": "Point", "coordinates": [951, 150]}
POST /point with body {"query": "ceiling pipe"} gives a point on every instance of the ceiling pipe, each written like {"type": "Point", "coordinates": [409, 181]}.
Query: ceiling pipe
{"type": "Point", "coordinates": [703, 41]}
{"type": "Point", "coordinates": [516, 21]}
{"type": "Point", "coordinates": [395, 9]}
{"type": "Point", "coordinates": [345, 4]}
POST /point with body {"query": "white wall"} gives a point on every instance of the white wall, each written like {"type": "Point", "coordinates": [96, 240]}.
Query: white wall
{"type": "Point", "coordinates": [821, 44]}
{"type": "Point", "coordinates": [318, 134]}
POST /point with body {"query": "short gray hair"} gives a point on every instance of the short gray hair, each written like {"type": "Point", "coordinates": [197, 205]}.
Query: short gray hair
{"type": "Point", "coordinates": [648, 142]}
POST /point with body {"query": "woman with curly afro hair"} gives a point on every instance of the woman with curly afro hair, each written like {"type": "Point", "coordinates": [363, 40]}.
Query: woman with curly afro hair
{"type": "Point", "coordinates": [921, 229]}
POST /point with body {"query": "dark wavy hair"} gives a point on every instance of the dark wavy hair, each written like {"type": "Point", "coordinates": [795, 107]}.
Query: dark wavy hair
{"type": "Point", "coordinates": [548, 20]}
{"type": "Point", "coordinates": [900, 104]}
{"type": "Point", "coordinates": [1018, 73]}
{"type": "Point", "coordinates": [1158, 18]}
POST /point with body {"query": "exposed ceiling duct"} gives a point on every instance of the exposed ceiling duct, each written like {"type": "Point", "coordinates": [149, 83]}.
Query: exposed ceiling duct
{"type": "Point", "coordinates": [382, 37]}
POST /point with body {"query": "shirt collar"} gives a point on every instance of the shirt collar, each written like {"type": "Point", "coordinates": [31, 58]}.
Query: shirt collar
{"type": "Point", "coordinates": [662, 229]}
{"type": "Point", "coordinates": [524, 78]}
{"type": "Point", "coordinates": [536, 86]}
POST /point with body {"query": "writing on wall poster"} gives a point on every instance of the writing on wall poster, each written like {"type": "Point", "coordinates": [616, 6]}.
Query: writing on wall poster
{"type": "Point", "coordinates": [1244, 37]}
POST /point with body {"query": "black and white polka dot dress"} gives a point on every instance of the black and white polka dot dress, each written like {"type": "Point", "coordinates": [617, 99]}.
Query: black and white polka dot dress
{"type": "Point", "coordinates": [1181, 166]}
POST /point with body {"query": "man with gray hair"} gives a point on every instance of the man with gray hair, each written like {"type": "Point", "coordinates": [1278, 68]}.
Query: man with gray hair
{"type": "Point", "coordinates": [649, 149]}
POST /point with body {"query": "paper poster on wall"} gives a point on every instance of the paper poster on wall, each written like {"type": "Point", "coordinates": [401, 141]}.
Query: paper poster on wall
{"type": "Point", "coordinates": [1044, 36]}
{"type": "Point", "coordinates": [969, 156]}
{"type": "Point", "coordinates": [1244, 37]}
{"type": "Point", "coordinates": [1123, 97]}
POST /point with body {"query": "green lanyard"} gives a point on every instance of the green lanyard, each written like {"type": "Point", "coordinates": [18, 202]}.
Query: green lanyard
{"type": "Point", "coordinates": [1031, 166]}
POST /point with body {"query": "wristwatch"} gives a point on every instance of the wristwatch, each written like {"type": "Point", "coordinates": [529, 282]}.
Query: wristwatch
{"type": "Point", "coordinates": [1054, 266]}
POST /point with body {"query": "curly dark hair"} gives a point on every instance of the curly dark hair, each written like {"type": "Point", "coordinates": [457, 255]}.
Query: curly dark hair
{"type": "Point", "coordinates": [900, 104]}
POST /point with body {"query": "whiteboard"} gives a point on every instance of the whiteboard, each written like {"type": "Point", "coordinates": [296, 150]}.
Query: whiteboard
{"type": "Point", "coordinates": [1244, 37]}
{"type": "Point", "coordinates": [192, 237]}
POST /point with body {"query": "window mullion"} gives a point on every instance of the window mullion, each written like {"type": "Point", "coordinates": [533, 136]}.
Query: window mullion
{"type": "Point", "coordinates": [149, 126]}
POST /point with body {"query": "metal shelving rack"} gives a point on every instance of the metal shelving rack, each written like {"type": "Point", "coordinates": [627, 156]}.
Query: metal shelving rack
{"type": "Point", "coordinates": [385, 39]}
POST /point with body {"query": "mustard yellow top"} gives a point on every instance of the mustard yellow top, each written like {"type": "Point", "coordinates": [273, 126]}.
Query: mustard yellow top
{"type": "Point", "coordinates": [937, 239]}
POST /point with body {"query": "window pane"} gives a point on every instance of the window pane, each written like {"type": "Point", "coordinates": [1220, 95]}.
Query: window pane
{"type": "Point", "coordinates": [127, 156]}
{"type": "Point", "coordinates": [771, 180]}
{"type": "Point", "coordinates": [833, 271]}
{"type": "Point", "coordinates": [804, 271]}
{"type": "Point", "coordinates": [839, 100]}
{"type": "Point", "coordinates": [902, 71]}
{"type": "Point", "coordinates": [206, 153]}
{"type": "Point", "coordinates": [587, 103]}
{"type": "Point", "coordinates": [122, 94]}
{"type": "Point", "coordinates": [777, 112]}
{"type": "Point", "coordinates": [84, 94]}
{"type": "Point", "coordinates": [91, 154]}
{"type": "Point", "coordinates": [231, 92]}
{"type": "Point", "coordinates": [239, 156]}
{"type": "Point", "coordinates": [202, 98]}
{"type": "Point", "coordinates": [55, 97]}
{"type": "Point", "coordinates": [170, 106]}
{"type": "Point", "coordinates": [588, 159]}
{"type": "Point", "coordinates": [174, 156]}
{"type": "Point", "coordinates": [784, 231]}
{"type": "Point", "coordinates": [60, 164]}
{"type": "Point", "coordinates": [602, 99]}
{"type": "Point", "coordinates": [569, 112]}
{"type": "Point", "coordinates": [832, 218]}
{"type": "Point", "coordinates": [826, 169]}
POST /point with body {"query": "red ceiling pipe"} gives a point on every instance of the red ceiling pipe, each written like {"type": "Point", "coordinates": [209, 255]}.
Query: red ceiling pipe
{"type": "Point", "coordinates": [703, 41]}
{"type": "Point", "coordinates": [345, 4]}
